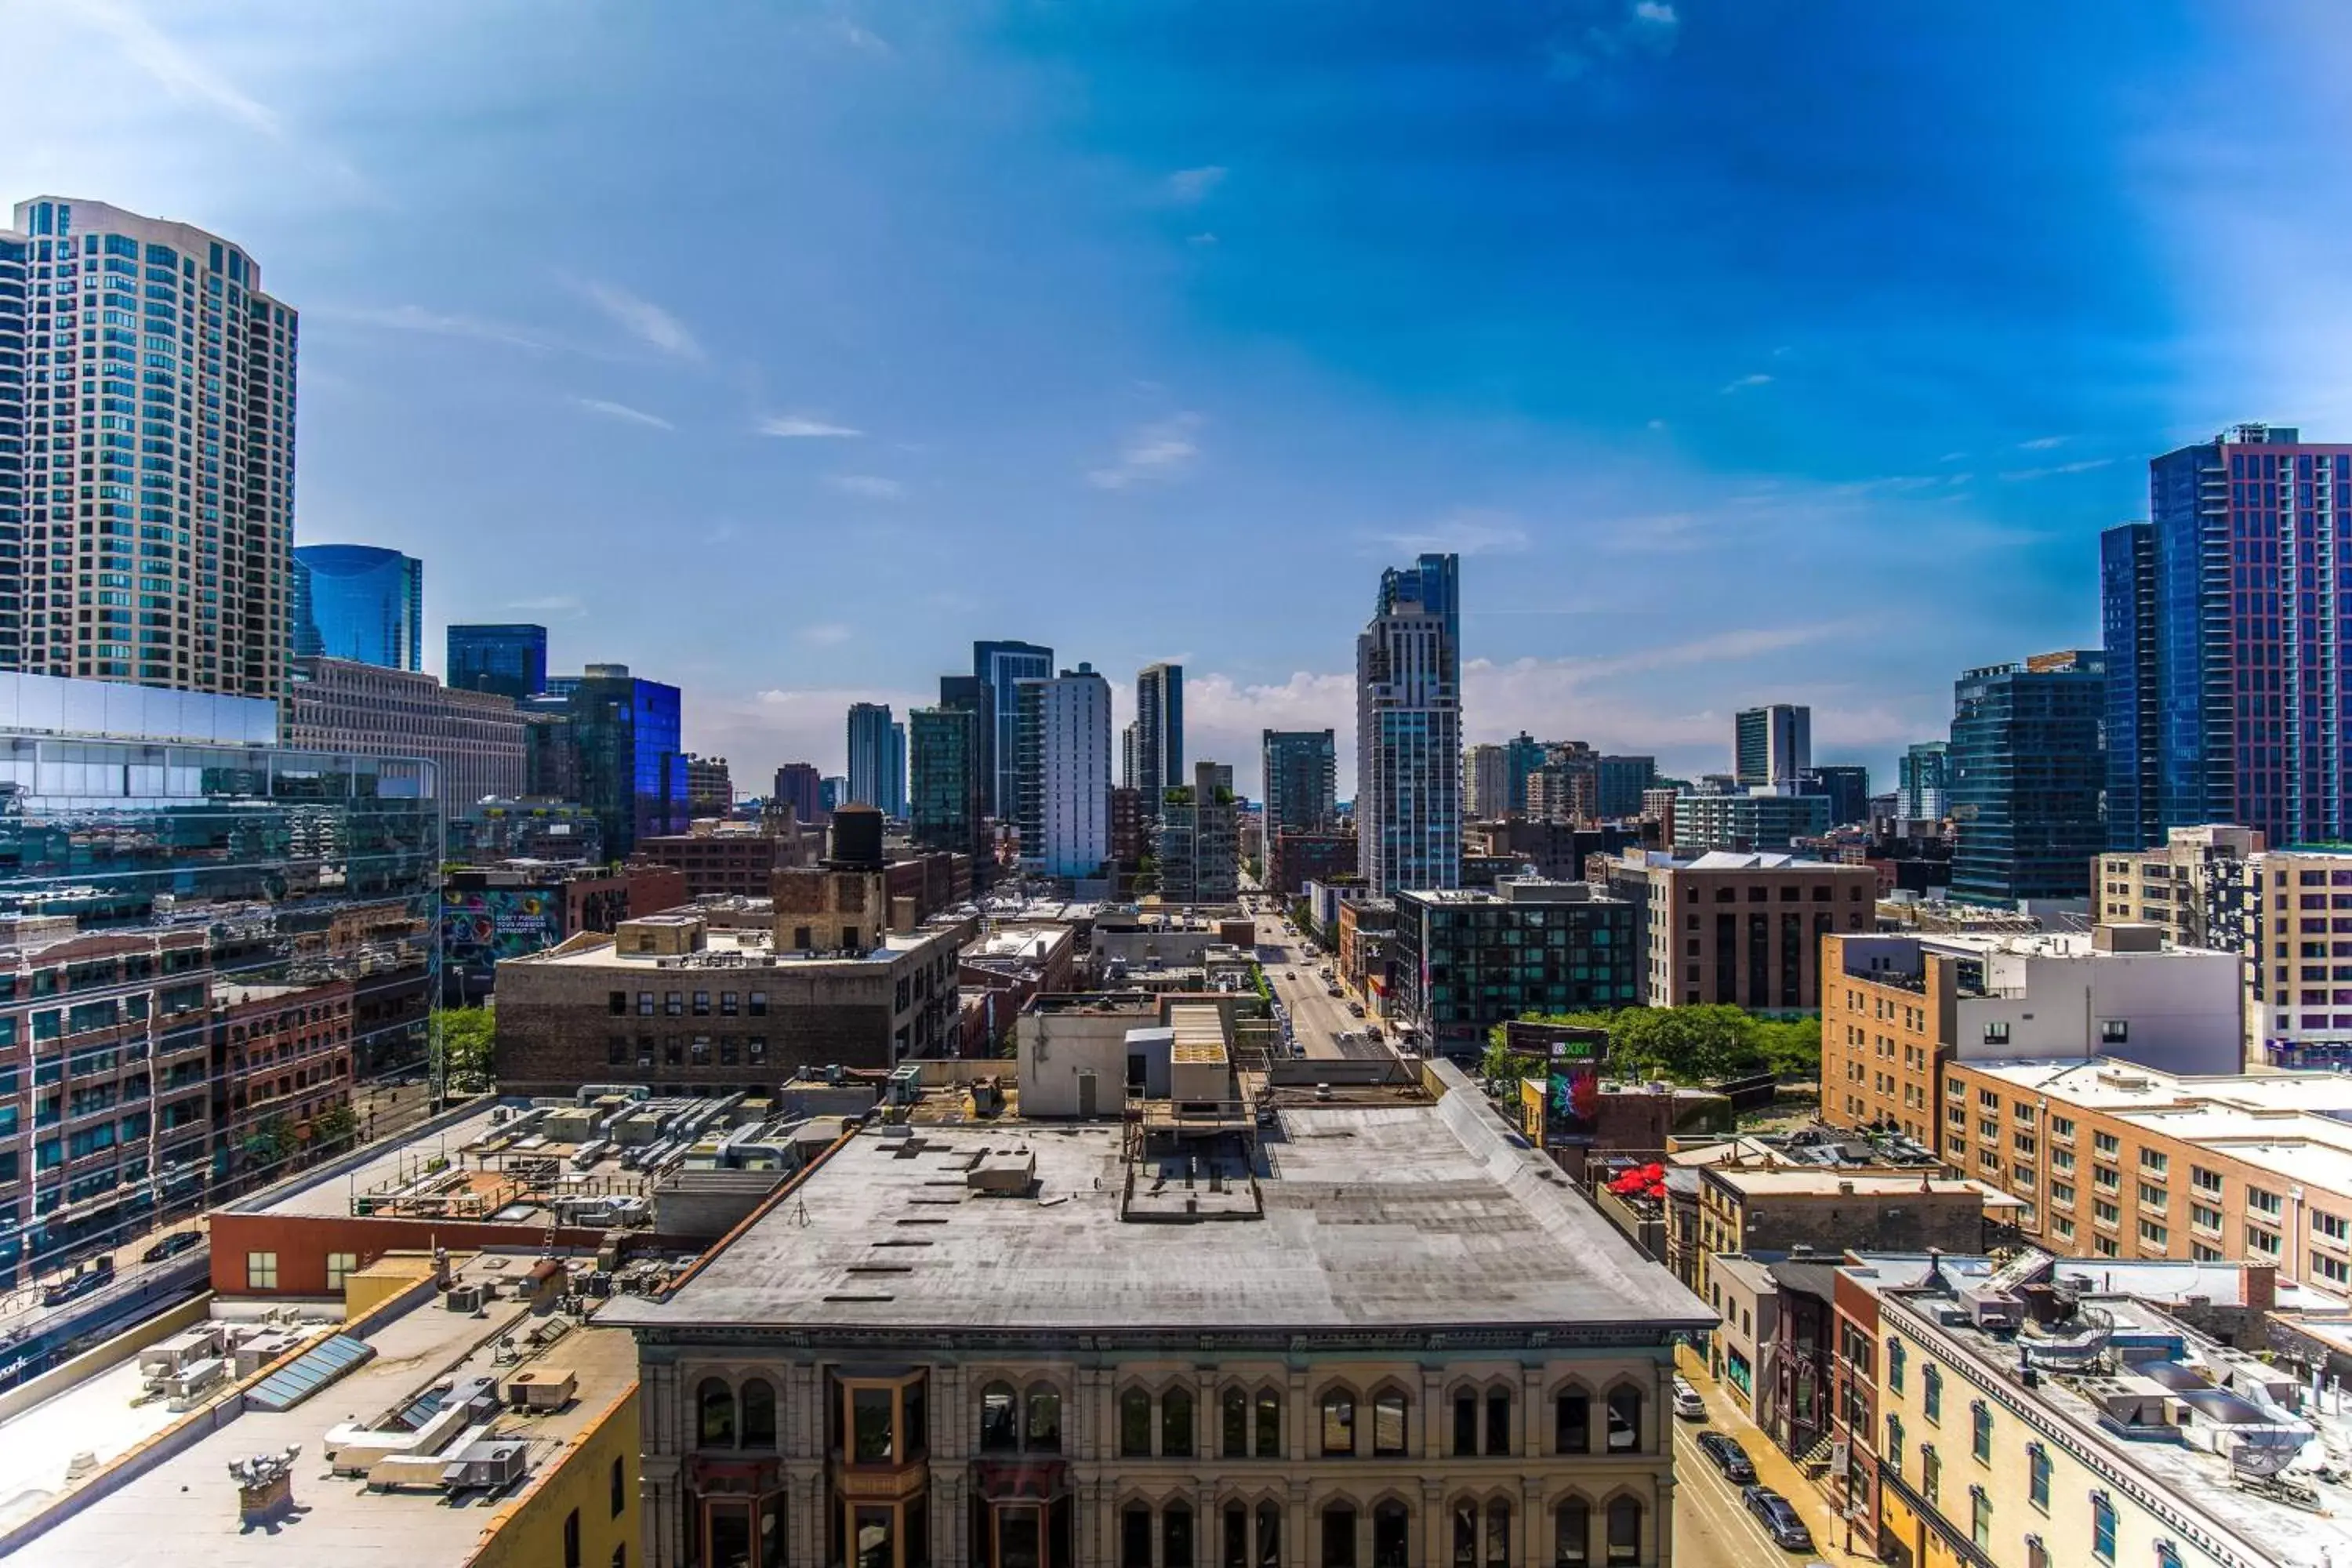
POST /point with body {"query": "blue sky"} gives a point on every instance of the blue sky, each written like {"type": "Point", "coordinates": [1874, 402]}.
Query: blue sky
{"type": "Point", "coordinates": [1782, 349]}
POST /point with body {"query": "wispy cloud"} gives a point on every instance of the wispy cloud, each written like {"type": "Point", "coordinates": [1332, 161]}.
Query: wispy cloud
{"type": "Point", "coordinates": [804, 427]}
{"type": "Point", "coordinates": [2084, 467]}
{"type": "Point", "coordinates": [432, 324]}
{"type": "Point", "coordinates": [830, 633]}
{"type": "Point", "coordinates": [567, 606]}
{"type": "Point", "coordinates": [1191, 185]}
{"type": "Point", "coordinates": [872, 486]}
{"type": "Point", "coordinates": [642, 320]}
{"type": "Point", "coordinates": [1744, 383]}
{"type": "Point", "coordinates": [1640, 27]}
{"type": "Point", "coordinates": [1161, 450]}
{"type": "Point", "coordinates": [174, 69]}
{"type": "Point", "coordinates": [1464, 533]}
{"type": "Point", "coordinates": [623, 412]}
{"type": "Point", "coordinates": [2041, 443]}
{"type": "Point", "coordinates": [861, 39]}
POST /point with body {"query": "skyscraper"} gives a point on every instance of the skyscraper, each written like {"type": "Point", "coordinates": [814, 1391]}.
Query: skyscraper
{"type": "Point", "coordinates": [1197, 842]}
{"type": "Point", "coordinates": [2026, 772]}
{"type": "Point", "coordinates": [973, 695]}
{"type": "Point", "coordinates": [510, 660]}
{"type": "Point", "coordinates": [999, 665]}
{"type": "Point", "coordinates": [877, 759]}
{"type": "Point", "coordinates": [1522, 755]}
{"type": "Point", "coordinates": [1159, 729]}
{"type": "Point", "coordinates": [359, 602]}
{"type": "Point", "coordinates": [1846, 785]}
{"type": "Point", "coordinates": [1920, 793]}
{"type": "Point", "coordinates": [1409, 731]}
{"type": "Point", "coordinates": [1623, 780]}
{"type": "Point", "coordinates": [171, 477]}
{"type": "Point", "coordinates": [1485, 785]}
{"type": "Point", "coordinates": [2229, 682]}
{"type": "Point", "coordinates": [1062, 765]}
{"type": "Point", "coordinates": [1772, 744]}
{"type": "Point", "coordinates": [1301, 780]}
{"type": "Point", "coordinates": [632, 768]}
{"type": "Point", "coordinates": [943, 763]}
{"type": "Point", "coordinates": [796, 785]}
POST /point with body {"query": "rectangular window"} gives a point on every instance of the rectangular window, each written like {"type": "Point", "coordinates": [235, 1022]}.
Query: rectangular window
{"type": "Point", "coordinates": [340, 1265]}
{"type": "Point", "coordinates": [261, 1271]}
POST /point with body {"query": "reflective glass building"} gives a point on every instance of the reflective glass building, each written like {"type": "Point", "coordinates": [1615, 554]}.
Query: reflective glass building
{"type": "Point", "coordinates": [2025, 773]}
{"type": "Point", "coordinates": [1409, 731]}
{"type": "Point", "coordinates": [510, 660]}
{"type": "Point", "coordinates": [359, 602]}
{"type": "Point", "coordinates": [1000, 666]}
{"type": "Point", "coordinates": [943, 763]}
{"type": "Point", "coordinates": [632, 772]}
{"type": "Point", "coordinates": [205, 941]}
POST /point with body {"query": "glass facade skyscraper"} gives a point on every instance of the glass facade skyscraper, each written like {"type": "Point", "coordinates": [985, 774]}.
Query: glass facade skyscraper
{"type": "Point", "coordinates": [877, 759]}
{"type": "Point", "coordinates": [625, 731]}
{"type": "Point", "coordinates": [156, 401]}
{"type": "Point", "coordinates": [2025, 773]}
{"type": "Point", "coordinates": [359, 602]}
{"type": "Point", "coordinates": [943, 763]}
{"type": "Point", "coordinates": [1409, 731]}
{"type": "Point", "coordinates": [507, 660]}
{"type": "Point", "coordinates": [1159, 763]}
{"type": "Point", "coordinates": [1000, 665]}
{"type": "Point", "coordinates": [1301, 772]}
{"type": "Point", "coordinates": [2228, 618]}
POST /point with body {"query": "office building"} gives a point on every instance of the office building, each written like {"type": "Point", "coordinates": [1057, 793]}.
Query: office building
{"type": "Point", "coordinates": [1567, 787]}
{"type": "Point", "coordinates": [832, 794]}
{"type": "Point", "coordinates": [709, 787]}
{"type": "Point", "coordinates": [877, 759]}
{"type": "Point", "coordinates": [531, 828]}
{"type": "Point", "coordinates": [1300, 780]}
{"type": "Point", "coordinates": [2200, 887]}
{"type": "Point", "coordinates": [972, 696]}
{"type": "Point", "coordinates": [1522, 755]}
{"type": "Point", "coordinates": [1921, 793]}
{"type": "Point", "coordinates": [174, 881]}
{"type": "Point", "coordinates": [1514, 1401]}
{"type": "Point", "coordinates": [1198, 843]}
{"type": "Point", "coordinates": [2027, 769]}
{"type": "Point", "coordinates": [208, 375]}
{"type": "Point", "coordinates": [1159, 730]}
{"type": "Point", "coordinates": [625, 731]}
{"type": "Point", "coordinates": [2223, 617]}
{"type": "Point", "coordinates": [1622, 782]}
{"type": "Point", "coordinates": [1062, 763]}
{"type": "Point", "coordinates": [796, 786]}
{"type": "Point", "coordinates": [1408, 803]}
{"type": "Point", "coordinates": [1845, 786]}
{"type": "Point", "coordinates": [1899, 1011]}
{"type": "Point", "coordinates": [1764, 820]}
{"type": "Point", "coordinates": [476, 742]}
{"type": "Point", "coordinates": [1740, 929]}
{"type": "Point", "coordinates": [1466, 960]}
{"type": "Point", "coordinates": [508, 659]}
{"type": "Point", "coordinates": [944, 763]}
{"type": "Point", "coordinates": [361, 603]}
{"type": "Point", "coordinates": [1772, 744]}
{"type": "Point", "coordinates": [1486, 788]}
{"type": "Point", "coordinates": [17, 305]}
{"type": "Point", "coordinates": [1000, 666]}
{"type": "Point", "coordinates": [720, 859]}
{"type": "Point", "coordinates": [1131, 834]}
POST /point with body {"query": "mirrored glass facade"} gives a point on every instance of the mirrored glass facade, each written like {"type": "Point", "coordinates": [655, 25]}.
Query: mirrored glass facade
{"type": "Point", "coordinates": [358, 602]}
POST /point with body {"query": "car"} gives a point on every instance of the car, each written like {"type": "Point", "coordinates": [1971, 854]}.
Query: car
{"type": "Point", "coordinates": [1332, 991]}
{"type": "Point", "coordinates": [1372, 1031]}
{"type": "Point", "coordinates": [1780, 1520]}
{"type": "Point", "coordinates": [1688, 1403]}
{"type": "Point", "coordinates": [1357, 1008]}
{"type": "Point", "coordinates": [171, 1246]}
{"type": "Point", "coordinates": [1290, 974]}
{"type": "Point", "coordinates": [86, 1277]}
{"type": "Point", "coordinates": [1728, 1457]}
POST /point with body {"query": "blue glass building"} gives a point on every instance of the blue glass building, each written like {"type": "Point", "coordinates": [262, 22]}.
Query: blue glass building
{"type": "Point", "coordinates": [1408, 805]}
{"type": "Point", "coordinates": [632, 769]}
{"type": "Point", "coordinates": [359, 602]}
{"type": "Point", "coordinates": [2026, 773]}
{"type": "Point", "coordinates": [1002, 666]}
{"type": "Point", "coordinates": [510, 660]}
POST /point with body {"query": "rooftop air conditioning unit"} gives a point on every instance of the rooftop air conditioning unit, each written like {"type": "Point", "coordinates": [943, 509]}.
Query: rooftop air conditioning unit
{"type": "Point", "coordinates": [490, 1465]}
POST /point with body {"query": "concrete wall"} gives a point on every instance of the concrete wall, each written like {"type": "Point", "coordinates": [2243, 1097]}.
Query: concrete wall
{"type": "Point", "coordinates": [1056, 1049]}
{"type": "Point", "coordinates": [529, 1531]}
{"type": "Point", "coordinates": [2182, 1009]}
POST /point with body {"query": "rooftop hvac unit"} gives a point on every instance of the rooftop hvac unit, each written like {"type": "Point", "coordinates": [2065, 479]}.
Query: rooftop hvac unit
{"type": "Point", "coordinates": [490, 1465]}
{"type": "Point", "coordinates": [466, 1298]}
{"type": "Point", "coordinates": [541, 1388]}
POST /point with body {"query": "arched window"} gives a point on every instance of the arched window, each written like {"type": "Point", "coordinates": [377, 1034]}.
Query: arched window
{"type": "Point", "coordinates": [1176, 1424]}
{"type": "Point", "coordinates": [1269, 1424]}
{"type": "Point", "coordinates": [1176, 1536]}
{"type": "Point", "coordinates": [999, 1419]}
{"type": "Point", "coordinates": [1389, 1423]}
{"type": "Point", "coordinates": [1498, 1421]}
{"type": "Point", "coordinates": [1269, 1536]}
{"type": "Point", "coordinates": [1233, 1425]}
{"type": "Point", "coordinates": [1135, 1536]}
{"type": "Point", "coordinates": [1339, 1424]}
{"type": "Point", "coordinates": [716, 1402]}
{"type": "Point", "coordinates": [1339, 1536]}
{"type": "Point", "coordinates": [1466, 1534]}
{"type": "Point", "coordinates": [758, 1414]}
{"type": "Point", "coordinates": [1571, 1533]}
{"type": "Point", "coordinates": [1043, 1433]}
{"type": "Point", "coordinates": [1465, 1423]}
{"type": "Point", "coordinates": [1232, 1547]}
{"type": "Point", "coordinates": [1572, 1422]}
{"type": "Point", "coordinates": [1624, 1420]}
{"type": "Point", "coordinates": [1392, 1534]}
{"type": "Point", "coordinates": [1624, 1531]}
{"type": "Point", "coordinates": [1135, 1424]}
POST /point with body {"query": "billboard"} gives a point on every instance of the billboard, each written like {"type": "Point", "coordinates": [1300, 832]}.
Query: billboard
{"type": "Point", "coordinates": [479, 926]}
{"type": "Point", "coordinates": [1572, 1056]}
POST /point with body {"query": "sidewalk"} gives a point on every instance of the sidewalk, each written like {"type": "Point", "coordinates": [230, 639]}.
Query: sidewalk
{"type": "Point", "coordinates": [1773, 1468]}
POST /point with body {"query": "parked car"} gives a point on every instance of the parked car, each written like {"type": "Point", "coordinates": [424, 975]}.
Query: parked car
{"type": "Point", "coordinates": [1688, 1403]}
{"type": "Point", "coordinates": [1729, 1458]}
{"type": "Point", "coordinates": [1780, 1520]}
{"type": "Point", "coordinates": [171, 1246]}
{"type": "Point", "coordinates": [86, 1277]}
{"type": "Point", "coordinates": [1357, 1008]}
{"type": "Point", "coordinates": [1332, 991]}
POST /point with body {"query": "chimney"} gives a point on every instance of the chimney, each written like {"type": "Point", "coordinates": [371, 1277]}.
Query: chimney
{"type": "Point", "coordinates": [1845, 1189]}
{"type": "Point", "coordinates": [2260, 1285]}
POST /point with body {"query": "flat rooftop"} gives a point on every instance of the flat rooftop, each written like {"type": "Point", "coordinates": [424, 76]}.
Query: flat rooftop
{"type": "Point", "coordinates": [725, 948]}
{"type": "Point", "coordinates": [1832, 1183]}
{"type": "Point", "coordinates": [189, 1500]}
{"type": "Point", "coordinates": [1398, 1217]}
{"type": "Point", "coordinates": [2105, 1083]}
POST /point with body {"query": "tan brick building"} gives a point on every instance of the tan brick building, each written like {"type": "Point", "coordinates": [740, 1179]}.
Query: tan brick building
{"type": "Point", "coordinates": [1744, 928]}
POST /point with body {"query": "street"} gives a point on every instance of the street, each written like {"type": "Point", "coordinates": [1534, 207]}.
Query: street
{"type": "Point", "coordinates": [1317, 1017]}
{"type": "Point", "coordinates": [1713, 1527]}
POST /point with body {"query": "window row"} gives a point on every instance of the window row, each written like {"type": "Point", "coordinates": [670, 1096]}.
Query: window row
{"type": "Point", "coordinates": [1479, 1535]}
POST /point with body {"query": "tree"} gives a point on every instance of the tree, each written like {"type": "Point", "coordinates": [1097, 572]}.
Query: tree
{"type": "Point", "coordinates": [465, 1038]}
{"type": "Point", "coordinates": [1503, 1067]}
{"type": "Point", "coordinates": [334, 1124]}
{"type": "Point", "coordinates": [1792, 1047]}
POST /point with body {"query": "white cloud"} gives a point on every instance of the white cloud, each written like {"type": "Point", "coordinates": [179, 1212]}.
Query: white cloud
{"type": "Point", "coordinates": [642, 320]}
{"type": "Point", "coordinates": [431, 323]}
{"type": "Point", "coordinates": [1645, 27]}
{"type": "Point", "coordinates": [1202, 240]}
{"type": "Point", "coordinates": [1157, 451]}
{"type": "Point", "coordinates": [1462, 532]}
{"type": "Point", "coordinates": [623, 412]}
{"type": "Point", "coordinates": [860, 39]}
{"type": "Point", "coordinates": [567, 606]}
{"type": "Point", "coordinates": [1745, 381]}
{"type": "Point", "coordinates": [2041, 443]}
{"type": "Point", "coordinates": [174, 69]}
{"type": "Point", "coordinates": [803, 427]}
{"type": "Point", "coordinates": [831, 634]}
{"type": "Point", "coordinates": [2084, 467]}
{"type": "Point", "coordinates": [1191, 185]}
{"type": "Point", "coordinates": [1656, 13]}
{"type": "Point", "coordinates": [872, 486]}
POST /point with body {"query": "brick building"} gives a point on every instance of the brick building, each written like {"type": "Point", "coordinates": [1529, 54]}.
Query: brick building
{"type": "Point", "coordinates": [1743, 928]}
{"type": "Point", "coordinates": [739, 862]}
